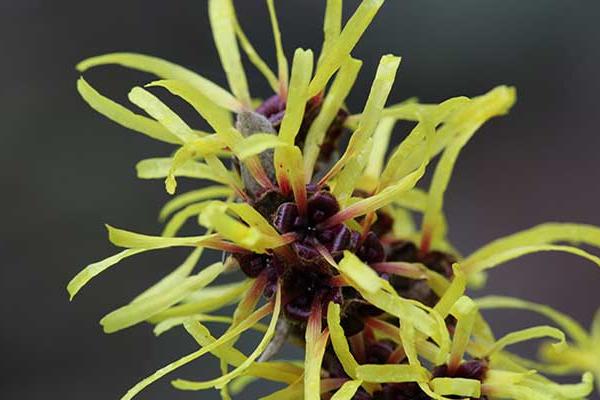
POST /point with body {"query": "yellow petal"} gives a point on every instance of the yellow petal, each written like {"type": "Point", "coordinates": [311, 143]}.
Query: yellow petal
{"type": "Point", "coordinates": [207, 300]}
{"type": "Point", "coordinates": [222, 21]}
{"type": "Point", "coordinates": [391, 373]}
{"type": "Point", "coordinates": [95, 269]}
{"type": "Point", "coordinates": [165, 70]}
{"type": "Point", "coordinates": [290, 172]}
{"type": "Point", "coordinates": [359, 273]}
{"type": "Point", "coordinates": [133, 240]}
{"type": "Point", "coordinates": [176, 277]}
{"type": "Point", "coordinates": [163, 114]}
{"type": "Point", "coordinates": [380, 89]}
{"type": "Point", "coordinates": [302, 66]}
{"type": "Point", "coordinates": [255, 58]}
{"type": "Point", "coordinates": [541, 234]}
{"type": "Point", "coordinates": [152, 304]}
{"type": "Point", "coordinates": [465, 311]}
{"type": "Point", "coordinates": [463, 124]}
{"type": "Point", "coordinates": [242, 367]}
{"type": "Point", "coordinates": [457, 387]}
{"type": "Point", "coordinates": [347, 391]}
{"type": "Point", "coordinates": [332, 25]}
{"type": "Point", "coordinates": [339, 341]}
{"type": "Point", "coordinates": [471, 266]}
{"type": "Point", "coordinates": [381, 139]}
{"type": "Point", "coordinates": [157, 168]}
{"type": "Point", "coordinates": [566, 323]}
{"type": "Point", "coordinates": [315, 349]}
{"type": "Point", "coordinates": [535, 332]}
{"type": "Point", "coordinates": [332, 103]}
{"type": "Point", "coordinates": [123, 116]}
{"type": "Point", "coordinates": [379, 200]}
{"type": "Point", "coordinates": [193, 196]}
{"type": "Point", "coordinates": [256, 144]}
{"type": "Point", "coordinates": [455, 291]}
{"type": "Point", "coordinates": [411, 151]}
{"type": "Point", "coordinates": [282, 64]}
{"type": "Point", "coordinates": [226, 337]}
{"type": "Point", "coordinates": [343, 45]}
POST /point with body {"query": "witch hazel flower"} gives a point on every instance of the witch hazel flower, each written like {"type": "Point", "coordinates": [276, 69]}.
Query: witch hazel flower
{"type": "Point", "coordinates": [323, 236]}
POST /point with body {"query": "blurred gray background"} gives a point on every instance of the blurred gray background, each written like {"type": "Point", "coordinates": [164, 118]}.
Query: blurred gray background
{"type": "Point", "coordinates": [65, 170]}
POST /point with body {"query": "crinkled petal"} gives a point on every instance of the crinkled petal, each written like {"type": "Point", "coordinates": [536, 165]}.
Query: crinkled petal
{"type": "Point", "coordinates": [242, 367]}
{"type": "Point", "coordinates": [193, 196]}
{"type": "Point", "coordinates": [343, 45]}
{"type": "Point", "coordinates": [95, 269]}
{"type": "Point", "coordinates": [566, 323]}
{"type": "Point", "coordinates": [162, 113]}
{"type": "Point", "coordinates": [296, 104]}
{"type": "Point", "coordinates": [547, 233]}
{"type": "Point", "coordinates": [332, 25]}
{"type": "Point", "coordinates": [465, 311]}
{"type": "Point", "coordinates": [465, 123]}
{"type": "Point", "coordinates": [144, 308]}
{"type": "Point", "coordinates": [133, 240]}
{"type": "Point", "coordinates": [316, 341]}
{"type": "Point", "coordinates": [379, 200]}
{"type": "Point", "coordinates": [471, 266]}
{"type": "Point", "coordinates": [457, 387]}
{"type": "Point", "coordinates": [282, 64]}
{"type": "Point", "coordinates": [165, 70]}
{"type": "Point", "coordinates": [535, 332]}
{"type": "Point", "coordinates": [380, 90]}
{"type": "Point", "coordinates": [254, 57]}
{"type": "Point", "coordinates": [206, 300]}
{"type": "Point", "coordinates": [123, 116]}
{"type": "Point", "coordinates": [332, 103]}
{"type": "Point", "coordinates": [347, 391]}
{"type": "Point", "coordinates": [392, 373]}
{"type": "Point", "coordinates": [339, 341]}
{"type": "Point", "coordinates": [226, 337]}
{"type": "Point", "coordinates": [157, 168]}
{"type": "Point", "coordinates": [223, 21]}
{"type": "Point", "coordinates": [175, 278]}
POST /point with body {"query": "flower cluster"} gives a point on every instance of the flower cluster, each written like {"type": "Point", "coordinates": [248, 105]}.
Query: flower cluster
{"type": "Point", "coordinates": [323, 235]}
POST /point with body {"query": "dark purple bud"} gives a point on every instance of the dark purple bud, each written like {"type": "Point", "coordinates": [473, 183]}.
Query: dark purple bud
{"type": "Point", "coordinates": [331, 294]}
{"type": "Point", "coordinates": [473, 369]}
{"type": "Point", "coordinates": [351, 324]}
{"type": "Point", "coordinates": [271, 286]}
{"type": "Point", "coordinates": [401, 391]}
{"type": "Point", "coordinates": [403, 250]}
{"type": "Point", "coordinates": [267, 202]}
{"type": "Point", "coordinates": [321, 206]}
{"type": "Point", "coordinates": [326, 236]}
{"type": "Point", "coordinates": [333, 366]}
{"type": "Point", "coordinates": [362, 394]}
{"type": "Point", "coordinates": [284, 217]}
{"type": "Point", "coordinates": [371, 251]}
{"type": "Point", "coordinates": [341, 239]}
{"type": "Point", "coordinates": [306, 252]}
{"type": "Point", "coordinates": [441, 371]}
{"type": "Point", "coordinates": [253, 265]}
{"type": "Point", "coordinates": [299, 222]}
{"type": "Point", "coordinates": [439, 262]}
{"type": "Point", "coordinates": [273, 105]}
{"type": "Point", "coordinates": [379, 352]}
{"type": "Point", "coordinates": [276, 118]}
{"type": "Point", "coordinates": [299, 308]}
{"type": "Point", "coordinates": [383, 224]}
{"type": "Point", "coordinates": [354, 239]}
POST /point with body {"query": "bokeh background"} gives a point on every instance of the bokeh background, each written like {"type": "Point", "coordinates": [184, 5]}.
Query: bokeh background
{"type": "Point", "coordinates": [65, 170]}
